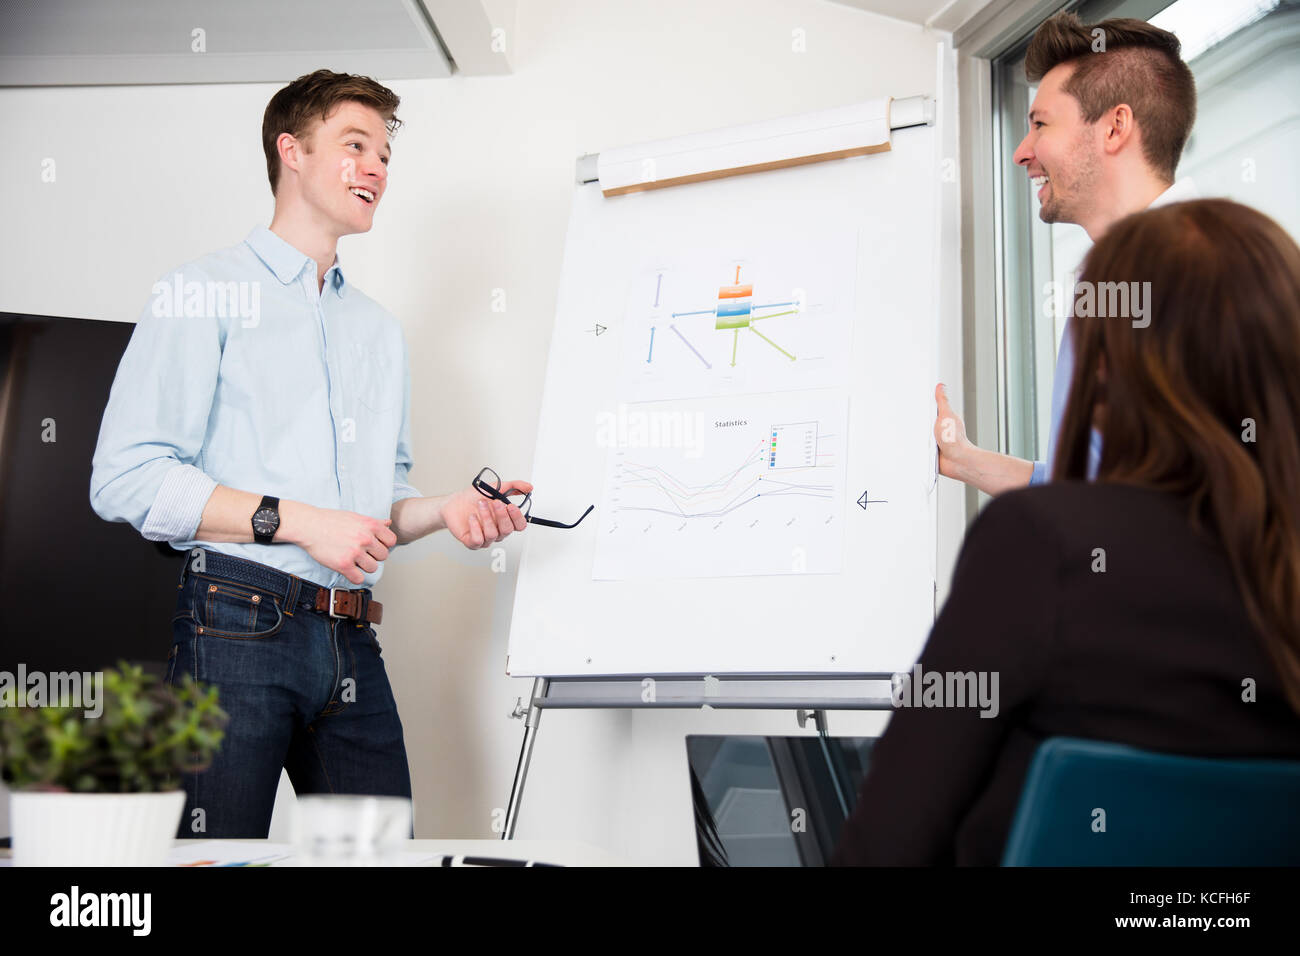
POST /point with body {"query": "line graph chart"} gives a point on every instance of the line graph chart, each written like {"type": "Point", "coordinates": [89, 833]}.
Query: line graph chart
{"type": "Point", "coordinates": [760, 492]}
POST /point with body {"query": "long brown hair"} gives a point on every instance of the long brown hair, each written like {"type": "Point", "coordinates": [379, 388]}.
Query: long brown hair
{"type": "Point", "coordinates": [1200, 396]}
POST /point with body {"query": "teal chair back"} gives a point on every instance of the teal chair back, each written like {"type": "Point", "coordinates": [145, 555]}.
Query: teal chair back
{"type": "Point", "coordinates": [1090, 803]}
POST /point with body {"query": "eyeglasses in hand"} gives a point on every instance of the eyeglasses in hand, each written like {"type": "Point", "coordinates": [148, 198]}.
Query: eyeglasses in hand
{"type": "Point", "coordinates": [488, 484]}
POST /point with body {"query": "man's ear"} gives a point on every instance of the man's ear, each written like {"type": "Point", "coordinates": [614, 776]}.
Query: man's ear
{"type": "Point", "coordinates": [290, 150]}
{"type": "Point", "coordinates": [1119, 127]}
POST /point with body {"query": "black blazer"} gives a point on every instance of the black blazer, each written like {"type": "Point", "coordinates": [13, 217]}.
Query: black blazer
{"type": "Point", "coordinates": [1151, 652]}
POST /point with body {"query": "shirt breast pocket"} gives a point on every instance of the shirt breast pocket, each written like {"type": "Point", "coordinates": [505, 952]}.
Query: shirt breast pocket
{"type": "Point", "coordinates": [375, 377]}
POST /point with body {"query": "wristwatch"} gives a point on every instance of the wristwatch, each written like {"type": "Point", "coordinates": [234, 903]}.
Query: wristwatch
{"type": "Point", "coordinates": [266, 520]}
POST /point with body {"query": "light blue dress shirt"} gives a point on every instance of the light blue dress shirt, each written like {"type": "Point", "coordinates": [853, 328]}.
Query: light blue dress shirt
{"type": "Point", "coordinates": [1060, 392]}
{"type": "Point", "coordinates": [1180, 191]}
{"type": "Point", "coordinates": [241, 373]}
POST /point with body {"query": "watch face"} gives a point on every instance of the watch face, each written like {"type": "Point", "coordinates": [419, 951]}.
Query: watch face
{"type": "Point", "coordinates": [265, 521]}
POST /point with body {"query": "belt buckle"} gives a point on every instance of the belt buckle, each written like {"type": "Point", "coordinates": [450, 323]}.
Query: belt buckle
{"type": "Point", "coordinates": [330, 609]}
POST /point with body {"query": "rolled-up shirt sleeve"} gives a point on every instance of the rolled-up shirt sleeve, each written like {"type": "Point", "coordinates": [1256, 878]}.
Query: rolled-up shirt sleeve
{"type": "Point", "coordinates": [144, 469]}
{"type": "Point", "coordinates": [402, 490]}
{"type": "Point", "coordinates": [1040, 473]}
{"type": "Point", "coordinates": [402, 467]}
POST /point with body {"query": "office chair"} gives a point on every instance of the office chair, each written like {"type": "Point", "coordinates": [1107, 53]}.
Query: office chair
{"type": "Point", "coordinates": [1157, 809]}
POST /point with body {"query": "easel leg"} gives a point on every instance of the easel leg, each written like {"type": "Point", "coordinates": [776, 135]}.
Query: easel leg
{"type": "Point", "coordinates": [531, 722]}
{"type": "Point", "coordinates": [839, 777]}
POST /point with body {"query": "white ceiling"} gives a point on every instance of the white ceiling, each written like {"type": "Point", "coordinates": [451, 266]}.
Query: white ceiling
{"type": "Point", "coordinates": [945, 15]}
{"type": "Point", "coordinates": [87, 42]}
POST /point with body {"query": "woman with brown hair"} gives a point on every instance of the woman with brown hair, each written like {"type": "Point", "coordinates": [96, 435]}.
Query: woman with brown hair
{"type": "Point", "coordinates": [1158, 606]}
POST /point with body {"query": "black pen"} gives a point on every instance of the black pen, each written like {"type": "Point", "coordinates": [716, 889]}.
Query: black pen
{"type": "Point", "coordinates": [461, 859]}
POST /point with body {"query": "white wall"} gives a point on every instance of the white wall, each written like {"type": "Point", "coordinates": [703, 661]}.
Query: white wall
{"type": "Point", "coordinates": [482, 176]}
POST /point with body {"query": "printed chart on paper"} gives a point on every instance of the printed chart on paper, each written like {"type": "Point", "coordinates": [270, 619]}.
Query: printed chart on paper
{"type": "Point", "coordinates": [730, 486]}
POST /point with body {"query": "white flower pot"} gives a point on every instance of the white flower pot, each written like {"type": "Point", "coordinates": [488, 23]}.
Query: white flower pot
{"type": "Point", "coordinates": [94, 829]}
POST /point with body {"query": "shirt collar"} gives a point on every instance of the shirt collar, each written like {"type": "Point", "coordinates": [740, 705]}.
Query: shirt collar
{"type": "Point", "coordinates": [288, 262]}
{"type": "Point", "coordinates": [1181, 190]}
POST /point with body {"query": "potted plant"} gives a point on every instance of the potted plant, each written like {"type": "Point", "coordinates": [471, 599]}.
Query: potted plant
{"type": "Point", "coordinates": [96, 781]}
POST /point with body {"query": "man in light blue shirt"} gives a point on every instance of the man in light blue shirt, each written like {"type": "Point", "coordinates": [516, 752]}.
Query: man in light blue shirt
{"type": "Point", "coordinates": [1113, 110]}
{"type": "Point", "coordinates": [304, 394]}
{"type": "Point", "coordinates": [260, 422]}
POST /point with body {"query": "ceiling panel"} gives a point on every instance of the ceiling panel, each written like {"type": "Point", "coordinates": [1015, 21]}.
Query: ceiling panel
{"type": "Point", "coordinates": [945, 15]}
{"type": "Point", "coordinates": [86, 42]}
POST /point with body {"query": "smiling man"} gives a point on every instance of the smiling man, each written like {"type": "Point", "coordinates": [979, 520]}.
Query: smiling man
{"type": "Point", "coordinates": [1114, 107]}
{"type": "Point", "coordinates": [271, 443]}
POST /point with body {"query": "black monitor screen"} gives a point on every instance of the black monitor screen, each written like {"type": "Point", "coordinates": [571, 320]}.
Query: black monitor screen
{"type": "Point", "coordinates": [773, 801]}
{"type": "Point", "coordinates": [76, 592]}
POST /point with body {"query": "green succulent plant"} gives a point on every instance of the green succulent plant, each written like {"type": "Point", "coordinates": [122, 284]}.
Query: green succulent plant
{"type": "Point", "coordinates": [147, 735]}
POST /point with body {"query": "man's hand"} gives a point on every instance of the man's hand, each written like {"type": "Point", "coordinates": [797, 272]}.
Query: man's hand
{"type": "Point", "coordinates": [344, 541]}
{"type": "Point", "coordinates": [478, 521]}
{"type": "Point", "coordinates": [989, 471]}
{"type": "Point", "coordinates": [950, 433]}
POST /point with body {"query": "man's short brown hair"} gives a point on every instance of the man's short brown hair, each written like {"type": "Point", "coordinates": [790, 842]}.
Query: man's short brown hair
{"type": "Point", "coordinates": [1123, 61]}
{"type": "Point", "coordinates": [313, 97]}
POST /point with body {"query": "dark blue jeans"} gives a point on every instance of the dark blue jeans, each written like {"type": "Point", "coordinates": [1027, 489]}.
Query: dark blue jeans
{"type": "Point", "coordinates": [305, 692]}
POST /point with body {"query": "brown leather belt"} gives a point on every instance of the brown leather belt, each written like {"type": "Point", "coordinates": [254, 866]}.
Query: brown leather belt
{"type": "Point", "coordinates": [294, 591]}
{"type": "Point", "coordinates": [346, 604]}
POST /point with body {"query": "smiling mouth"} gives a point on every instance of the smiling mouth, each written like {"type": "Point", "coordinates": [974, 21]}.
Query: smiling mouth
{"type": "Point", "coordinates": [1039, 183]}
{"type": "Point", "coordinates": [365, 195]}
